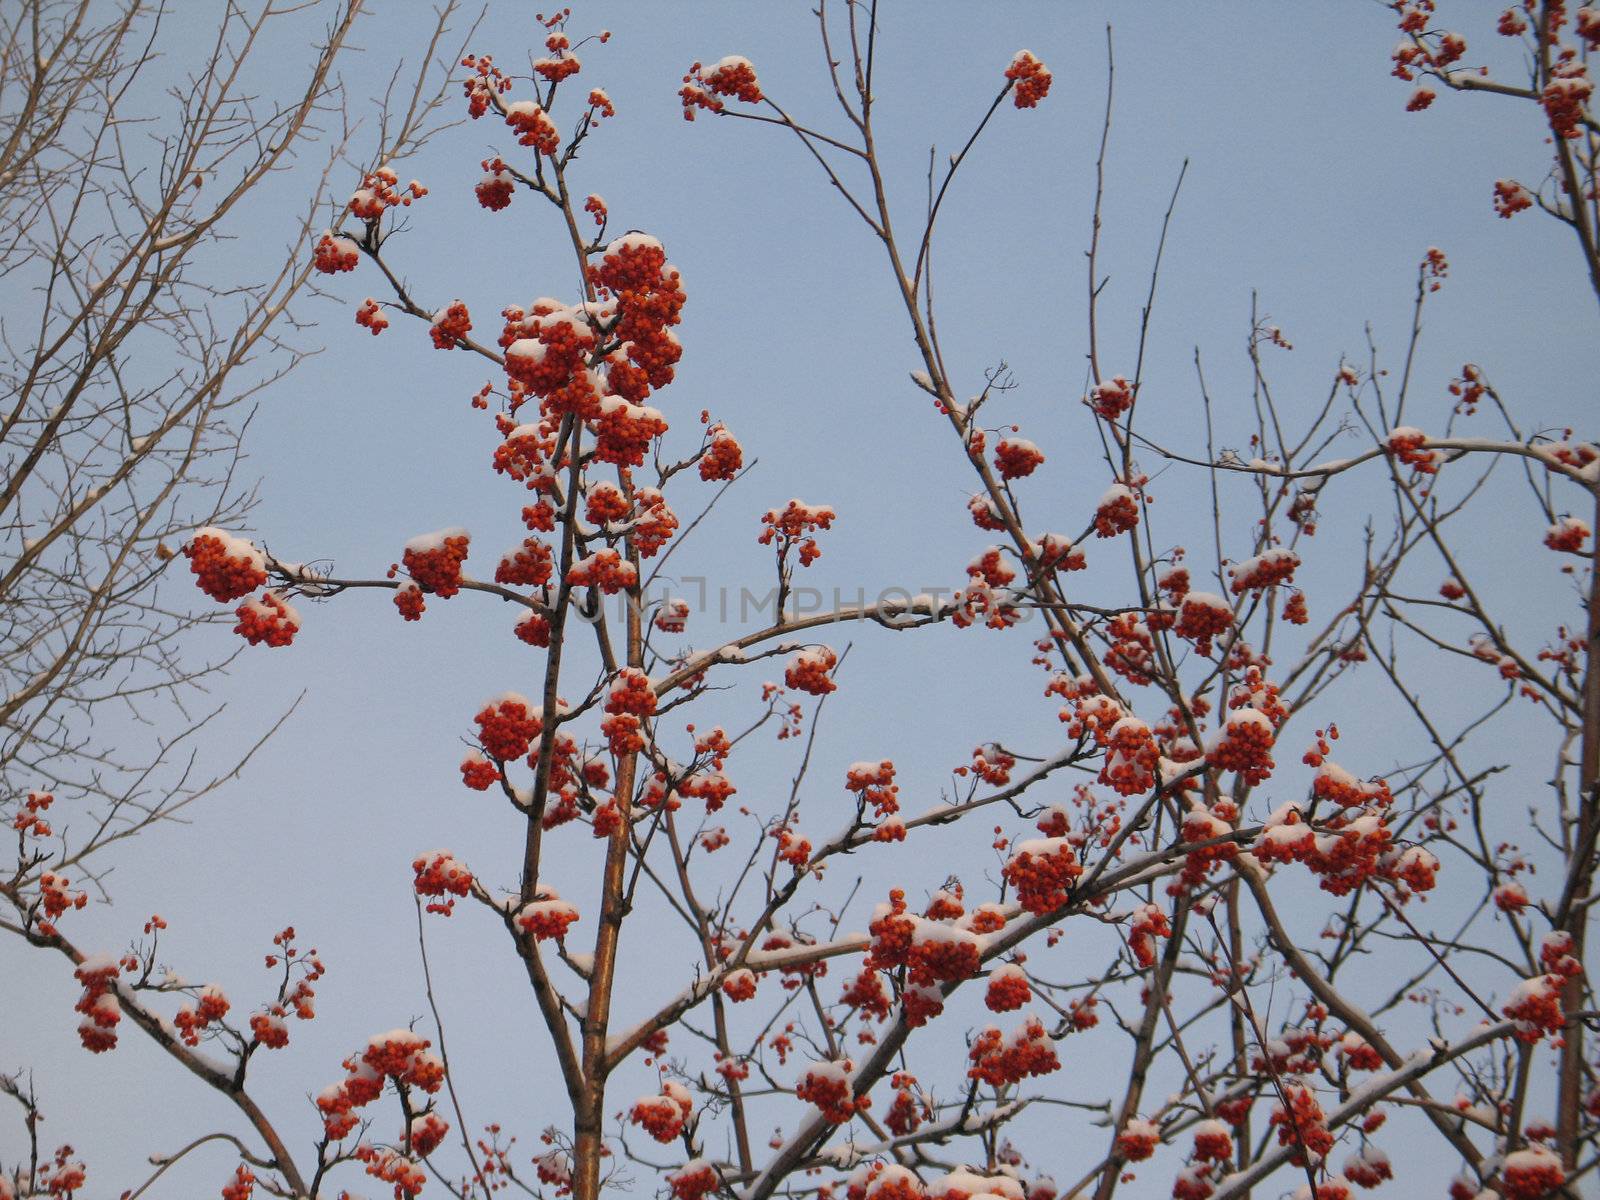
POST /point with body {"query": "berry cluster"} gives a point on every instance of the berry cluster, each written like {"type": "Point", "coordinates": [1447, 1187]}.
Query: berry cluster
{"type": "Point", "coordinates": [1264, 570]}
{"type": "Point", "coordinates": [1567, 535]}
{"type": "Point", "coordinates": [874, 784]}
{"type": "Point", "coordinates": [1566, 95]}
{"type": "Point", "coordinates": [1110, 398]}
{"type": "Point", "coordinates": [401, 1055]}
{"type": "Point", "coordinates": [792, 525]}
{"type": "Point", "coordinates": [733, 76]}
{"type": "Point", "coordinates": [408, 599]}
{"type": "Point", "coordinates": [1244, 744]}
{"type": "Point", "coordinates": [1149, 923]}
{"type": "Point", "coordinates": [1007, 989]}
{"type": "Point", "coordinates": [563, 64]}
{"type": "Point", "coordinates": [381, 191]}
{"type": "Point", "coordinates": [370, 316]}
{"type": "Point", "coordinates": [992, 765]}
{"type": "Point", "coordinates": [694, 1180]}
{"type": "Point", "coordinates": [99, 1004]}
{"type": "Point", "coordinates": [426, 1133]}
{"type": "Point", "coordinates": [649, 299]}
{"type": "Point", "coordinates": [604, 569]}
{"type": "Point", "coordinates": [1201, 617]}
{"type": "Point", "coordinates": [866, 993]}
{"type": "Point", "coordinates": [546, 916]}
{"type": "Point", "coordinates": [1510, 198]}
{"type": "Point", "coordinates": [624, 430]}
{"type": "Point", "coordinates": [242, 1186]}
{"type": "Point", "coordinates": [978, 601]}
{"type": "Point", "coordinates": [1358, 1053]}
{"type": "Point", "coordinates": [533, 126]}
{"type": "Point", "coordinates": [1530, 1173]}
{"type": "Point", "coordinates": [985, 515]}
{"type": "Point", "coordinates": [524, 455]}
{"type": "Point", "coordinates": [554, 1167]}
{"type": "Point", "coordinates": [268, 619]}
{"type": "Point", "coordinates": [793, 848]}
{"type": "Point", "coordinates": [192, 1019]}
{"type": "Point", "coordinates": [225, 567]}
{"type": "Point", "coordinates": [740, 985]}
{"type": "Point", "coordinates": [884, 1181]}
{"type": "Point", "coordinates": [28, 822]}
{"type": "Point", "coordinates": [530, 565]}
{"type": "Point", "coordinates": [1117, 512]}
{"type": "Point", "coordinates": [434, 560]}
{"type": "Point", "coordinates": [1368, 1167]}
{"type": "Point", "coordinates": [1132, 757]}
{"type": "Point", "coordinates": [391, 1166]}
{"type": "Point", "coordinates": [663, 1116]}
{"type": "Point", "coordinates": [1043, 871]}
{"type": "Point", "coordinates": [498, 185]}
{"type": "Point", "coordinates": [1408, 446]}
{"type": "Point", "coordinates": [55, 897]}
{"type": "Point", "coordinates": [1016, 458]}
{"type": "Point", "coordinates": [942, 951]}
{"type": "Point", "coordinates": [1002, 1060]}
{"type": "Point", "coordinates": [334, 253]}
{"type": "Point", "coordinates": [1031, 78]}
{"type": "Point", "coordinates": [722, 457]}
{"type": "Point", "coordinates": [1212, 1141]}
{"type": "Point", "coordinates": [827, 1085]}
{"type": "Point", "coordinates": [807, 671]}
{"type": "Point", "coordinates": [441, 877]}
{"type": "Point", "coordinates": [1301, 1124]}
{"type": "Point", "coordinates": [1201, 825]}
{"type": "Point", "coordinates": [1138, 1139]}
{"type": "Point", "coordinates": [507, 726]}
{"type": "Point", "coordinates": [484, 85]}
{"type": "Point", "coordinates": [604, 503]}
{"type": "Point", "coordinates": [673, 617]}
{"type": "Point", "coordinates": [450, 324]}
{"type": "Point", "coordinates": [1535, 1005]}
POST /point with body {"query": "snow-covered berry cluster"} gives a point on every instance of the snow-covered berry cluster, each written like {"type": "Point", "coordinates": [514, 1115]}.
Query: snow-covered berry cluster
{"type": "Point", "coordinates": [547, 916]}
{"type": "Point", "coordinates": [334, 253]}
{"type": "Point", "coordinates": [533, 126]}
{"type": "Point", "coordinates": [663, 1116]}
{"type": "Point", "coordinates": [433, 560]}
{"type": "Point", "coordinates": [450, 324]}
{"type": "Point", "coordinates": [440, 878]}
{"type": "Point", "coordinates": [98, 1004]}
{"type": "Point", "coordinates": [1016, 458]}
{"type": "Point", "coordinates": [498, 185]}
{"type": "Point", "coordinates": [225, 567]}
{"type": "Point", "coordinates": [703, 86]}
{"type": "Point", "coordinates": [827, 1086]}
{"type": "Point", "coordinates": [808, 671]}
{"type": "Point", "coordinates": [268, 618]}
{"type": "Point", "coordinates": [1001, 1059]}
{"type": "Point", "coordinates": [792, 525]}
{"type": "Point", "coordinates": [1031, 78]}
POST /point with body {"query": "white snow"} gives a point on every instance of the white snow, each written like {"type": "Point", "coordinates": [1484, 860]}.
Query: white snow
{"type": "Point", "coordinates": [425, 543]}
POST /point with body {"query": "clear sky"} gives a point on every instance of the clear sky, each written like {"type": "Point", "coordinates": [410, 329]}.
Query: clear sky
{"type": "Point", "coordinates": [1308, 187]}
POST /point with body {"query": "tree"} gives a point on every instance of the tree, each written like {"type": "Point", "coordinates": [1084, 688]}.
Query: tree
{"type": "Point", "coordinates": [137, 343]}
{"type": "Point", "coordinates": [131, 368]}
{"type": "Point", "coordinates": [1160, 872]}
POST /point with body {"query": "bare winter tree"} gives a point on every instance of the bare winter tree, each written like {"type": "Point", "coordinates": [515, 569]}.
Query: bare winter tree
{"type": "Point", "coordinates": [146, 309]}
{"type": "Point", "coordinates": [140, 328]}
{"type": "Point", "coordinates": [133, 351]}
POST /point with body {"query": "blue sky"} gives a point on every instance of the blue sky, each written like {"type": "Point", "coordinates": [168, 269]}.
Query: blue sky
{"type": "Point", "coordinates": [1308, 187]}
